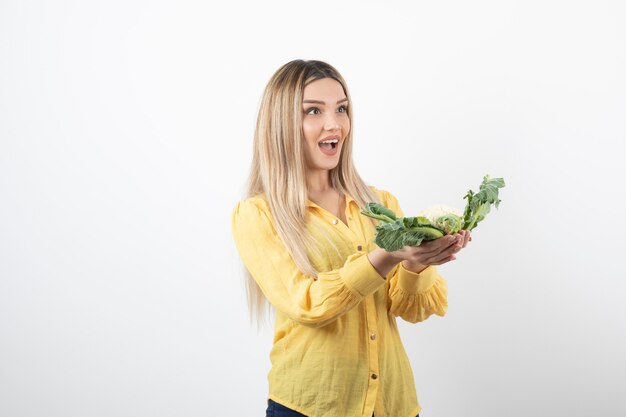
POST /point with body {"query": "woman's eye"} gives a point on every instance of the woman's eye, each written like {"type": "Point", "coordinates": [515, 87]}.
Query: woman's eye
{"type": "Point", "coordinates": [345, 109]}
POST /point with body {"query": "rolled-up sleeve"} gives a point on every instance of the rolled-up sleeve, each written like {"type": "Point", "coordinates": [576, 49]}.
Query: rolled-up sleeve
{"type": "Point", "coordinates": [312, 301]}
{"type": "Point", "coordinates": [415, 296]}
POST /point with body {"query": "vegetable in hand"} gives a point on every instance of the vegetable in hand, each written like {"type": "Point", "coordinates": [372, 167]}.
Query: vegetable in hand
{"type": "Point", "coordinates": [393, 233]}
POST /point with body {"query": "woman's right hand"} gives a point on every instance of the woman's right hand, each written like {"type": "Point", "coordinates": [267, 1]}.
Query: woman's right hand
{"type": "Point", "coordinates": [434, 252]}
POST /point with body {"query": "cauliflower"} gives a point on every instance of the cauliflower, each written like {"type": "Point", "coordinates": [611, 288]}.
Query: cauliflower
{"type": "Point", "coordinates": [445, 218]}
{"type": "Point", "coordinates": [393, 233]}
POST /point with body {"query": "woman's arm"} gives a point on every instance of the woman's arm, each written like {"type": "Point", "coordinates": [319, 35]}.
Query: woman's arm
{"type": "Point", "coordinates": [309, 300]}
{"type": "Point", "coordinates": [382, 261]}
{"type": "Point", "coordinates": [416, 290]}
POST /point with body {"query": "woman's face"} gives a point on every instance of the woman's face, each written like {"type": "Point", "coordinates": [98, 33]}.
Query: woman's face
{"type": "Point", "coordinates": [325, 119]}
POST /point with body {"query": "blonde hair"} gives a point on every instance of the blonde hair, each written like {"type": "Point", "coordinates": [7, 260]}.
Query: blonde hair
{"type": "Point", "coordinates": [278, 170]}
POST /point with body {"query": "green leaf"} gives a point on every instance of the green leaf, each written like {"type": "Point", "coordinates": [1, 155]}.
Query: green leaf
{"type": "Point", "coordinates": [379, 212]}
{"type": "Point", "coordinates": [389, 236]}
{"type": "Point", "coordinates": [394, 236]}
{"type": "Point", "coordinates": [479, 204]}
{"type": "Point", "coordinates": [410, 222]}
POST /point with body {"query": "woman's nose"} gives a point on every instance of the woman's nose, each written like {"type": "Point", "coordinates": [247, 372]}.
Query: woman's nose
{"type": "Point", "coordinates": [332, 123]}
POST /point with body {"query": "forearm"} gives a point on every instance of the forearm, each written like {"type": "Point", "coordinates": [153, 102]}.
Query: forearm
{"type": "Point", "coordinates": [414, 266]}
{"type": "Point", "coordinates": [382, 261]}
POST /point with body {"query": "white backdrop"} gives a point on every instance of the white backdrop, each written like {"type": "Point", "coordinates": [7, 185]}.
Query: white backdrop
{"type": "Point", "coordinates": [125, 140]}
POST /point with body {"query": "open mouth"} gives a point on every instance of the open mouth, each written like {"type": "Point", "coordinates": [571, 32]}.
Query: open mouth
{"type": "Point", "coordinates": [329, 144]}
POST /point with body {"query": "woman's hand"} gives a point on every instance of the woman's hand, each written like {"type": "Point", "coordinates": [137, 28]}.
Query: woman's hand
{"type": "Point", "coordinates": [434, 252]}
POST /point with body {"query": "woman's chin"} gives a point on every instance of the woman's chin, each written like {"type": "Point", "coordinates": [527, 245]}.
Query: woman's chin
{"type": "Point", "coordinates": [328, 162]}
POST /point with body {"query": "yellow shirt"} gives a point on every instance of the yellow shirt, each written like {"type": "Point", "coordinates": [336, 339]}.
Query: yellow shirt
{"type": "Point", "coordinates": [337, 351]}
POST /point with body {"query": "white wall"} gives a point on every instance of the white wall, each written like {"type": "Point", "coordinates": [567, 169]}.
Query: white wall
{"type": "Point", "coordinates": [125, 139]}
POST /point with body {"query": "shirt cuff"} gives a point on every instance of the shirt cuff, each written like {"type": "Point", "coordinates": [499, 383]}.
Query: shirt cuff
{"type": "Point", "coordinates": [360, 276]}
{"type": "Point", "coordinates": [416, 283]}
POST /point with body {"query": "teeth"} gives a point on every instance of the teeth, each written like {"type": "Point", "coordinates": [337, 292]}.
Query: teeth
{"type": "Point", "coordinates": [330, 141]}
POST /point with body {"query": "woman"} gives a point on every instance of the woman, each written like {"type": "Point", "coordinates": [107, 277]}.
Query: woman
{"type": "Point", "coordinates": [309, 252]}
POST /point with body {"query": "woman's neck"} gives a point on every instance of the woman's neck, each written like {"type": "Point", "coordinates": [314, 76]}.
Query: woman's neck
{"type": "Point", "coordinates": [318, 182]}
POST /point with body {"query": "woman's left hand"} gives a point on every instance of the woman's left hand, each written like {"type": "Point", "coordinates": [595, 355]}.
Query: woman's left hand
{"type": "Point", "coordinates": [465, 238]}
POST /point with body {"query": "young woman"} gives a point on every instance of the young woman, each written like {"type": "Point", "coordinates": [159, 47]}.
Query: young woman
{"type": "Point", "coordinates": [311, 254]}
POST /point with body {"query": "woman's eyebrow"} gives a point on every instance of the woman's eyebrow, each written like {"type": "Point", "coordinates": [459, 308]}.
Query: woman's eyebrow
{"type": "Point", "coordinates": [321, 102]}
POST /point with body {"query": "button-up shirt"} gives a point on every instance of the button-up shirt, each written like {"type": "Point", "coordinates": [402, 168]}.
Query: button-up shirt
{"type": "Point", "coordinates": [336, 350]}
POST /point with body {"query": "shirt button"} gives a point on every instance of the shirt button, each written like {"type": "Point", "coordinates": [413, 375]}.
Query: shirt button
{"type": "Point", "coordinates": [373, 336]}
{"type": "Point", "coordinates": [334, 221]}
{"type": "Point", "coordinates": [374, 376]}
{"type": "Point", "coordinates": [359, 247]}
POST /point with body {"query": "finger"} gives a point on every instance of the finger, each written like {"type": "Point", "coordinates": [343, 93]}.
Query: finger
{"type": "Point", "coordinates": [443, 261]}
{"type": "Point", "coordinates": [458, 240]}
{"type": "Point", "coordinates": [434, 247]}
{"type": "Point", "coordinates": [446, 241]}
{"type": "Point", "coordinates": [466, 237]}
{"type": "Point", "coordinates": [453, 247]}
{"type": "Point", "coordinates": [448, 247]}
{"type": "Point", "coordinates": [443, 254]}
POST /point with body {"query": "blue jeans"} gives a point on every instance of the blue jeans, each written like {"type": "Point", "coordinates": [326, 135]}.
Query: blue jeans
{"type": "Point", "coordinates": [275, 409]}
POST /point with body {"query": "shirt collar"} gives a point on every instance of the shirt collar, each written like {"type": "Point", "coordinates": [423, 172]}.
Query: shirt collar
{"type": "Point", "coordinates": [310, 203]}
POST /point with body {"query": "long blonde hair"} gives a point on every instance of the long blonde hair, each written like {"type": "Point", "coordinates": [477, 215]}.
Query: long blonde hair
{"type": "Point", "coordinates": [278, 170]}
